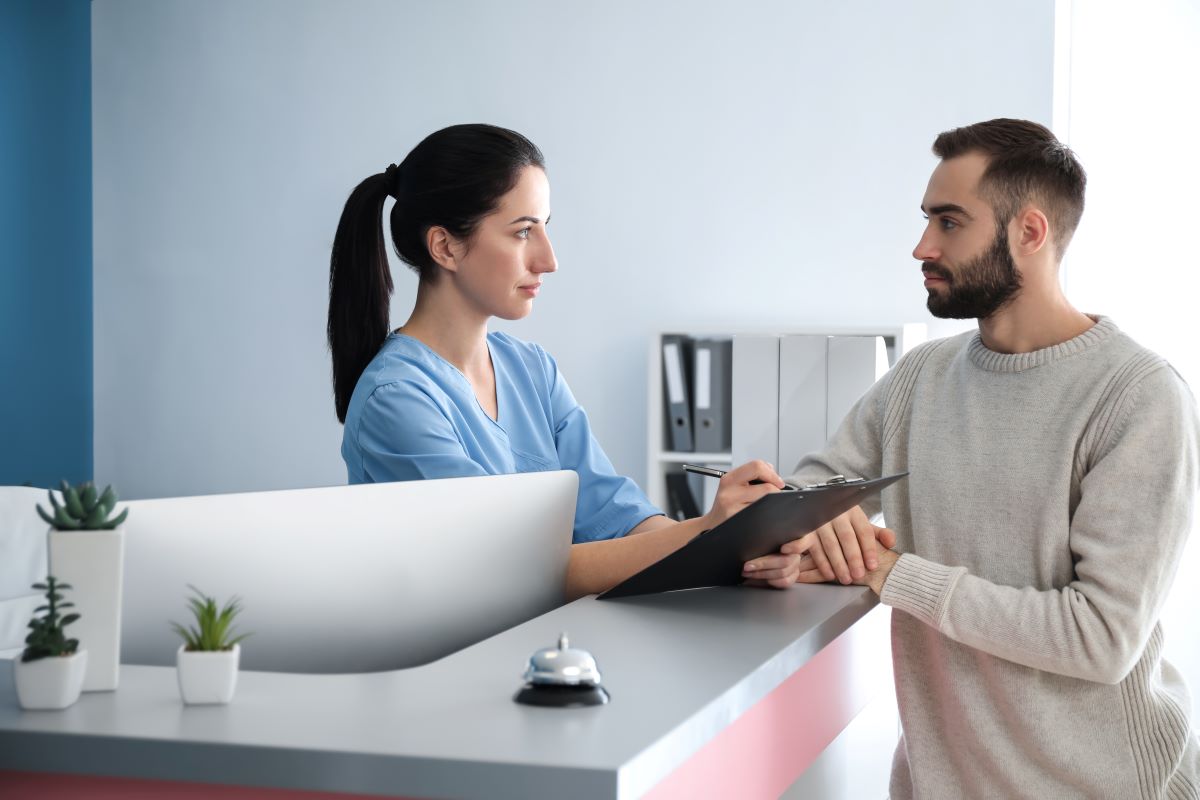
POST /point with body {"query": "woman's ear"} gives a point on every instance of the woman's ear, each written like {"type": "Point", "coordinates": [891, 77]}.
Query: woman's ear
{"type": "Point", "coordinates": [442, 248]}
{"type": "Point", "coordinates": [1032, 233]}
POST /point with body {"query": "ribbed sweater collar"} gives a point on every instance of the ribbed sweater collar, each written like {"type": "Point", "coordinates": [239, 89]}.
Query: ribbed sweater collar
{"type": "Point", "coordinates": [992, 361]}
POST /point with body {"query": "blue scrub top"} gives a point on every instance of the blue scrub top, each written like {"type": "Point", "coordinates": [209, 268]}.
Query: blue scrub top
{"type": "Point", "coordinates": [414, 415]}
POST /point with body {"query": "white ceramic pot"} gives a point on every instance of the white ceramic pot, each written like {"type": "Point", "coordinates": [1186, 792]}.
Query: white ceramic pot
{"type": "Point", "coordinates": [207, 676]}
{"type": "Point", "coordinates": [91, 561]}
{"type": "Point", "coordinates": [50, 683]}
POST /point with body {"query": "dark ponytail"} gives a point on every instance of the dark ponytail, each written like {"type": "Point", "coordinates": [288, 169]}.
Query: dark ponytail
{"type": "Point", "coordinates": [452, 179]}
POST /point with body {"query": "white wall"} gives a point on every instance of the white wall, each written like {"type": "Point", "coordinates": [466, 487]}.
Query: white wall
{"type": "Point", "coordinates": [713, 165]}
{"type": "Point", "coordinates": [1130, 112]}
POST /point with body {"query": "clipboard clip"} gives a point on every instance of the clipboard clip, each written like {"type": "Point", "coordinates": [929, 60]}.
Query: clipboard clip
{"type": "Point", "coordinates": [835, 480]}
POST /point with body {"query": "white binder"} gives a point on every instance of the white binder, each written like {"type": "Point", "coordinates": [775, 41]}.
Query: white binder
{"type": "Point", "coordinates": [755, 399]}
{"type": "Point", "coordinates": [820, 380]}
{"type": "Point", "coordinates": [855, 363]}
{"type": "Point", "coordinates": [802, 401]}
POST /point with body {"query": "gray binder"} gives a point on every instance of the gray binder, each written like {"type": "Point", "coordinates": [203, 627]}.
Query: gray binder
{"type": "Point", "coordinates": [681, 502]}
{"type": "Point", "coordinates": [676, 362]}
{"type": "Point", "coordinates": [712, 397]}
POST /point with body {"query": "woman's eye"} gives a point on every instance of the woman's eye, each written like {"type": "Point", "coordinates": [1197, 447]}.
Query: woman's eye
{"type": "Point", "coordinates": [523, 233]}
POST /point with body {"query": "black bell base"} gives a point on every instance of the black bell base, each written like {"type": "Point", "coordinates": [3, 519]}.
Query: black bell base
{"type": "Point", "coordinates": [561, 696]}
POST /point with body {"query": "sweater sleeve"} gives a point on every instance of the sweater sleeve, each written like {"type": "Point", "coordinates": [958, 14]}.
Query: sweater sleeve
{"type": "Point", "coordinates": [1127, 535]}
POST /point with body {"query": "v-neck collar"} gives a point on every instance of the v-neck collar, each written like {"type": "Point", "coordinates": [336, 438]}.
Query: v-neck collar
{"type": "Point", "coordinates": [496, 376]}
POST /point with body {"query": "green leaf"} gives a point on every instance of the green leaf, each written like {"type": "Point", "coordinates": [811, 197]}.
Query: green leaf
{"type": "Point", "coordinates": [35, 654]}
{"type": "Point", "coordinates": [88, 496]}
{"type": "Point", "coordinates": [95, 519]}
{"type": "Point", "coordinates": [236, 640]}
{"type": "Point", "coordinates": [64, 522]}
{"type": "Point", "coordinates": [213, 624]}
{"type": "Point", "coordinates": [71, 498]}
{"type": "Point", "coordinates": [119, 518]}
{"type": "Point", "coordinates": [46, 632]}
{"type": "Point", "coordinates": [191, 636]}
{"type": "Point", "coordinates": [42, 513]}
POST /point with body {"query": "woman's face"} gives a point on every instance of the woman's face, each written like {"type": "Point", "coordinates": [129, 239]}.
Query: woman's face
{"type": "Point", "coordinates": [500, 270]}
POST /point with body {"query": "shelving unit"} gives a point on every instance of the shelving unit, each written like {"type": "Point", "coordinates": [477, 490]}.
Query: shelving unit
{"type": "Point", "coordinates": [660, 460]}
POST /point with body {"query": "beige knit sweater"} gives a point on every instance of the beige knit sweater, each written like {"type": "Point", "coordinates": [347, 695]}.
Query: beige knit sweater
{"type": "Point", "coordinates": [1049, 500]}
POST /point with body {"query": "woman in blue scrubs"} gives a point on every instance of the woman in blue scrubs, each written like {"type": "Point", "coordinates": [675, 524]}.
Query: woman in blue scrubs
{"type": "Point", "coordinates": [442, 397]}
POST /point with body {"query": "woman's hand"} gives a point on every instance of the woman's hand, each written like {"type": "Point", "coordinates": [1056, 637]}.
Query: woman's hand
{"type": "Point", "coordinates": [778, 570]}
{"type": "Point", "coordinates": [736, 490]}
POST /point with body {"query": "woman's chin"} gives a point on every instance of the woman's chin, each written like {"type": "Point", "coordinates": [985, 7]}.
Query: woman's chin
{"type": "Point", "coordinates": [515, 312]}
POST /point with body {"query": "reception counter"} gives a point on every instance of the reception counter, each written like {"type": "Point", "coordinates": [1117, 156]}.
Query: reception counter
{"type": "Point", "coordinates": [715, 693]}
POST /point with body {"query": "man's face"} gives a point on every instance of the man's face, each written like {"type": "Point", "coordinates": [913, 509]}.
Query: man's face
{"type": "Point", "coordinates": [968, 267]}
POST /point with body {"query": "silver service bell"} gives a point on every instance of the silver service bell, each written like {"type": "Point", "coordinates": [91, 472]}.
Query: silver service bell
{"type": "Point", "coordinates": [562, 677]}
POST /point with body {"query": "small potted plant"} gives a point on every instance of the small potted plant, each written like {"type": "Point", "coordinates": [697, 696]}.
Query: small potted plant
{"type": "Point", "coordinates": [49, 674]}
{"type": "Point", "coordinates": [86, 546]}
{"type": "Point", "coordinates": [207, 661]}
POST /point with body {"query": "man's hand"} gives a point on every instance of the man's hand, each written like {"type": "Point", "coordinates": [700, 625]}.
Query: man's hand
{"type": "Point", "coordinates": [845, 549]}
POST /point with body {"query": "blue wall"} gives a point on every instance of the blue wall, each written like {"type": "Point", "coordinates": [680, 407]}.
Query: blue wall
{"type": "Point", "coordinates": [45, 241]}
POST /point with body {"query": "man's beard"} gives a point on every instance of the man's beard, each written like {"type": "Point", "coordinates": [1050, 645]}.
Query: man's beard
{"type": "Point", "coordinates": [979, 288]}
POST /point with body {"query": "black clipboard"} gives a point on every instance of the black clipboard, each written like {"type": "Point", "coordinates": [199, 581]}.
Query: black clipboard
{"type": "Point", "coordinates": [716, 557]}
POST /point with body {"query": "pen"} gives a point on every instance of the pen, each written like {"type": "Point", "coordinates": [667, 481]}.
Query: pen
{"type": "Point", "coordinates": [710, 472]}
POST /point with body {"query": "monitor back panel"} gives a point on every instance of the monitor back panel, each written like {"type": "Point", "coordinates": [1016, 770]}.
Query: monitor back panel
{"type": "Point", "coordinates": [351, 578]}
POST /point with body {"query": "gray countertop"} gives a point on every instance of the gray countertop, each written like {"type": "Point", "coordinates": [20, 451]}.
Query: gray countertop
{"type": "Point", "coordinates": [680, 667]}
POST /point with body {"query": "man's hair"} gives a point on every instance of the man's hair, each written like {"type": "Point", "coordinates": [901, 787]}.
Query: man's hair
{"type": "Point", "coordinates": [1026, 164]}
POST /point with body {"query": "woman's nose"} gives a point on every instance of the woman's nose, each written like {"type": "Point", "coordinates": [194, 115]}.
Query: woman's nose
{"type": "Point", "coordinates": [544, 260]}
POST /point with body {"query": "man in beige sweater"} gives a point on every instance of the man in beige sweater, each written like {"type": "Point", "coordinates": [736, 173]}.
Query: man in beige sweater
{"type": "Point", "coordinates": [1053, 467]}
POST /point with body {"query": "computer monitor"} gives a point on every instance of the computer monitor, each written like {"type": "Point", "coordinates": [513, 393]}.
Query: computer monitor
{"type": "Point", "coordinates": [22, 563]}
{"type": "Point", "coordinates": [351, 578]}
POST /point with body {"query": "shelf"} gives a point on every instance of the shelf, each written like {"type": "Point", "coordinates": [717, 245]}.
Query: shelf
{"type": "Point", "coordinates": [753, 438]}
{"type": "Point", "coordinates": [700, 458]}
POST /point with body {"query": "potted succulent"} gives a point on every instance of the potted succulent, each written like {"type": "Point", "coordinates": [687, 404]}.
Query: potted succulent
{"type": "Point", "coordinates": [49, 673]}
{"type": "Point", "coordinates": [86, 549]}
{"type": "Point", "coordinates": [207, 661]}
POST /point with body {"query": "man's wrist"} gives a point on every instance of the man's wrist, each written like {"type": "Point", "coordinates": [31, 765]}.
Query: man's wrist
{"type": "Point", "coordinates": [877, 577]}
